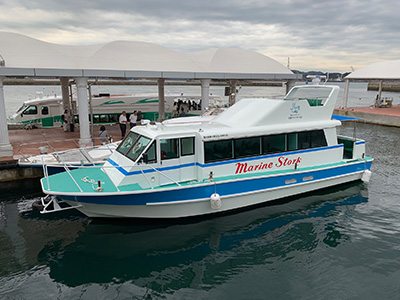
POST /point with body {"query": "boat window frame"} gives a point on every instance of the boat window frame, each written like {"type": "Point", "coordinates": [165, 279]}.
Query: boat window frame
{"type": "Point", "coordinates": [219, 158]}
{"type": "Point", "coordinates": [138, 153]}
{"type": "Point", "coordinates": [193, 145]}
{"type": "Point", "coordinates": [151, 161]}
{"type": "Point", "coordinates": [123, 141]}
{"type": "Point", "coordinates": [164, 157]}
{"type": "Point", "coordinates": [27, 109]}
{"type": "Point", "coordinates": [235, 146]}
{"type": "Point", "coordinates": [284, 137]}
{"type": "Point", "coordinates": [44, 110]}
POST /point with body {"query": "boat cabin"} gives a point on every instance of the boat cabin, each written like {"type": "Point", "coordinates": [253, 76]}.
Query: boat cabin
{"type": "Point", "coordinates": [252, 137]}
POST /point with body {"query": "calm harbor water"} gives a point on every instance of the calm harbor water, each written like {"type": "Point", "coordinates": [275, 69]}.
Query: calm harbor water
{"type": "Point", "coordinates": [339, 243]}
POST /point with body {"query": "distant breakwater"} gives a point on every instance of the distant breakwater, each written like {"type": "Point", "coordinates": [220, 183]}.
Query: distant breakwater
{"type": "Point", "coordinates": [386, 87]}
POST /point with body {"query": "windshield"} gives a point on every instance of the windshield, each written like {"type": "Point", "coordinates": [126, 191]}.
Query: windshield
{"type": "Point", "coordinates": [21, 109]}
{"type": "Point", "coordinates": [127, 143]}
{"type": "Point", "coordinates": [133, 145]}
{"type": "Point", "coordinates": [138, 147]}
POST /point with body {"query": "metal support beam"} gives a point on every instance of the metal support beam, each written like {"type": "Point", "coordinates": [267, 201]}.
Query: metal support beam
{"type": "Point", "coordinates": [346, 93]}
{"type": "Point", "coordinates": [65, 93]}
{"type": "Point", "coordinates": [161, 100]}
{"type": "Point", "coordinates": [83, 109]}
{"type": "Point", "coordinates": [6, 149]}
{"type": "Point", "coordinates": [205, 94]}
{"type": "Point", "coordinates": [380, 89]}
{"type": "Point", "coordinates": [232, 91]}
{"type": "Point", "coordinates": [290, 84]}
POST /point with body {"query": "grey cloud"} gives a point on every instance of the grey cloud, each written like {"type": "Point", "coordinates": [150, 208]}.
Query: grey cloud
{"type": "Point", "coordinates": [354, 27]}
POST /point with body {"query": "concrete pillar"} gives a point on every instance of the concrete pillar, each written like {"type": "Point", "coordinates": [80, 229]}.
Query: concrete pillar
{"type": "Point", "coordinates": [83, 110]}
{"type": "Point", "coordinates": [232, 91]}
{"type": "Point", "coordinates": [205, 94]}
{"type": "Point", "coordinates": [6, 149]}
{"type": "Point", "coordinates": [290, 84]}
{"type": "Point", "coordinates": [346, 93]}
{"type": "Point", "coordinates": [161, 100]}
{"type": "Point", "coordinates": [65, 93]}
{"type": "Point", "coordinates": [380, 89]}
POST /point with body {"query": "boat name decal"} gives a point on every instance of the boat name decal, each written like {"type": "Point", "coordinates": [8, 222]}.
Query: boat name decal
{"type": "Point", "coordinates": [215, 136]}
{"type": "Point", "coordinates": [281, 162]}
{"type": "Point", "coordinates": [295, 109]}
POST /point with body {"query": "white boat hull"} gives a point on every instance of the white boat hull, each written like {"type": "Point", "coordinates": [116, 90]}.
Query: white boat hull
{"type": "Point", "coordinates": [199, 207]}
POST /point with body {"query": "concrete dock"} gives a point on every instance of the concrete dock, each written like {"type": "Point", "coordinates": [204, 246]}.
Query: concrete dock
{"type": "Point", "coordinates": [387, 116]}
{"type": "Point", "coordinates": [29, 142]}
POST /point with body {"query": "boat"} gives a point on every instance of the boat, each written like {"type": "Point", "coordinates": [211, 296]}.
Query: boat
{"type": "Point", "coordinates": [59, 161]}
{"type": "Point", "coordinates": [47, 111]}
{"type": "Point", "coordinates": [256, 151]}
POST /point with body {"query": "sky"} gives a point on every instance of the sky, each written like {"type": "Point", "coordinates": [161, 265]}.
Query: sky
{"type": "Point", "coordinates": [333, 36]}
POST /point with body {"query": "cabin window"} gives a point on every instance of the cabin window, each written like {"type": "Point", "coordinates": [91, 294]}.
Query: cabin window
{"type": "Point", "coordinates": [136, 150]}
{"type": "Point", "coordinates": [304, 140]}
{"type": "Point", "coordinates": [169, 148]}
{"type": "Point", "coordinates": [187, 146]}
{"type": "Point", "coordinates": [274, 143]}
{"type": "Point", "coordinates": [292, 142]}
{"type": "Point", "coordinates": [151, 153]}
{"type": "Point", "coordinates": [45, 110]}
{"type": "Point", "coordinates": [218, 150]}
{"type": "Point", "coordinates": [127, 143]}
{"type": "Point", "coordinates": [247, 147]}
{"type": "Point", "coordinates": [31, 110]}
{"type": "Point", "coordinates": [318, 139]}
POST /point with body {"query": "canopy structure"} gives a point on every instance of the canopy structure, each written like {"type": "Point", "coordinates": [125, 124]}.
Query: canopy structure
{"type": "Point", "coordinates": [385, 70]}
{"type": "Point", "coordinates": [381, 71]}
{"type": "Point", "coordinates": [24, 56]}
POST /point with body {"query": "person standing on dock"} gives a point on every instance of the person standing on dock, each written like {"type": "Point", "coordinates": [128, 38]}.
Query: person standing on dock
{"type": "Point", "coordinates": [122, 123]}
{"type": "Point", "coordinates": [103, 135]}
{"type": "Point", "coordinates": [66, 118]}
{"type": "Point", "coordinates": [133, 119]}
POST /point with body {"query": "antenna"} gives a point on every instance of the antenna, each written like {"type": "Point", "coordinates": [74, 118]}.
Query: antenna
{"type": "Point", "coordinates": [288, 62]}
{"type": "Point", "coordinates": [352, 69]}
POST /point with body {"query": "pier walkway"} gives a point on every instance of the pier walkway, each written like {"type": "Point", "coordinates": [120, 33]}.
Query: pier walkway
{"type": "Point", "coordinates": [388, 116]}
{"type": "Point", "coordinates": [32, 141]}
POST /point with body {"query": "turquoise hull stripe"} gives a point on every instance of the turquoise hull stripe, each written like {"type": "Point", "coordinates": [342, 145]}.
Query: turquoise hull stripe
{"type": "Point", "coordinates": [227, 188]}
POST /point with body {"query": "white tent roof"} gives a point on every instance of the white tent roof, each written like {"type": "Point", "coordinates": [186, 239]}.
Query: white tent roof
{"type": "Point", "coordinates": [389, 69]}
{"type": "Point", "coordinates": [25, 56]}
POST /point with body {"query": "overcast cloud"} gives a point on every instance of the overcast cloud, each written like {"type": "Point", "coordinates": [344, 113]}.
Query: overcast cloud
{"type": "Point", "coordinates": [316, 35]}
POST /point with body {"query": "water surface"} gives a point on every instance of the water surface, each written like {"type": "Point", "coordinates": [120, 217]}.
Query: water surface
{"type": "Point", "coordinates": [339, 243]}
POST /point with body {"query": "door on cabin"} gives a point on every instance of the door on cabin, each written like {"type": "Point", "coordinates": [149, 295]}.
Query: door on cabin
{"type": "Point", "coordinates": [170, 162]}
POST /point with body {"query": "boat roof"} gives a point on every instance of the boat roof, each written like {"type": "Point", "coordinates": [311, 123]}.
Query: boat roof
{"type": "Point", "coordinates": [42, 99]}
{"type": "Point", "coordinates": [253, 116]}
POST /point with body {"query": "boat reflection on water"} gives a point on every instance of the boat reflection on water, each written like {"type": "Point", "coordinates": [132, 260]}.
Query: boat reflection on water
{"type": "Point", "coordinates": [170, 256]}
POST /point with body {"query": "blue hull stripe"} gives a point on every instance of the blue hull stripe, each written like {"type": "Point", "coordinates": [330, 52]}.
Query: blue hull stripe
{"type": "Point", "coordinates": [126, 173]}
{"type": "Point", "coordinates": [230, 188]}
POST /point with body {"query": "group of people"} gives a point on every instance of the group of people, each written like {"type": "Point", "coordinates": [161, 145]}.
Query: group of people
{"type": "Point", "coordinates": [103, 136]}
{"type": "Point", "coordinates": [123, 121]}
{"type": "Point", "coordinates": [182, 107]}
